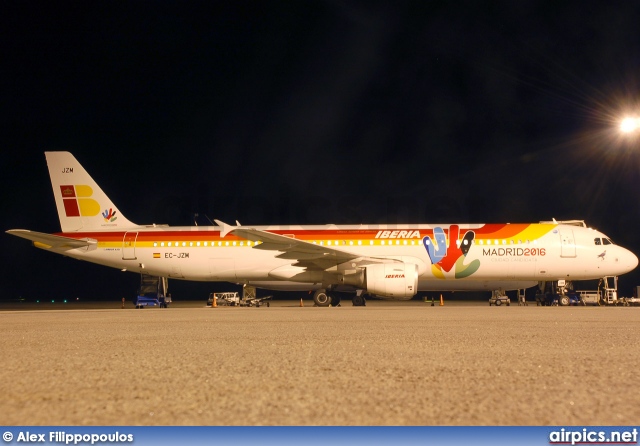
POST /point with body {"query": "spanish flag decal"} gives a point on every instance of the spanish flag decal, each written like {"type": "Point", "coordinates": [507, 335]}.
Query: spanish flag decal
{"type": "Point", "coordinates": [156, 255]}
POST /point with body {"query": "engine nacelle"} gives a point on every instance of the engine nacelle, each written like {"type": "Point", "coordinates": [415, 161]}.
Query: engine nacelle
{"type": "Point", "coordinates": [395, 280]}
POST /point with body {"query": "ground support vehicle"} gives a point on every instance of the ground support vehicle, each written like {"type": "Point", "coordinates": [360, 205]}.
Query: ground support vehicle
{"type": "Point", "coordinates": [146, 301]}
{"type": "Point", "coordinates": [589, 297]}
{"type": "Point", "coordinates": [563, 294]}
{"type": "Point", "coordinates": [498, 298]}
{"type": "Point", "coordinates": [567, 298]}
{"type": "Point", "coordinates": [255, 301]}
{"type": "Point", "coordinates": [630, 301]}
{"type": "Point", "coordinates": [152, 292]}
{"type": "Point", "coordinates": [606, 294]}
{"type": "Point", "coordinates": [230, 299]}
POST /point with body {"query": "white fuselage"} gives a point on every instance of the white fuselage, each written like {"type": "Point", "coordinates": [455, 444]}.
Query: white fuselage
{"type": "Point", "coordinates": [499, 256]}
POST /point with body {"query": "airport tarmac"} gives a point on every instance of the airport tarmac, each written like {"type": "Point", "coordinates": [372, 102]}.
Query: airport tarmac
{"type": "Point", "coordinates": [404, 363]}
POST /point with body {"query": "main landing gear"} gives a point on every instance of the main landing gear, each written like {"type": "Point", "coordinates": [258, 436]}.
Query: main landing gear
{"type": "Point", "coordinates": [321, 298]}
{"type": "Point", "coordinates": [324, 298]}
{"type": "Point", "coordinates": [359, 300]}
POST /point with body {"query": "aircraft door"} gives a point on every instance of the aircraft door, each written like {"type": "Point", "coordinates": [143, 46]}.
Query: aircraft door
{"type": "Point", "coordinates": [129, 246]}
{"type": "Point", "coordinates": [567, 243]}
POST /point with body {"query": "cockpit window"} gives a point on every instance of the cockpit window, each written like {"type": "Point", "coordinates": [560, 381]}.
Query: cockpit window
{"type": "Point", "coordinates": [606, 241]}
{"type": "Point", "coordinates": [597, 241]}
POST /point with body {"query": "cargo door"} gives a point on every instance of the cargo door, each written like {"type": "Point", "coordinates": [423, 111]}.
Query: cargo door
{"type": "Point", "coordinates": [222, 269]}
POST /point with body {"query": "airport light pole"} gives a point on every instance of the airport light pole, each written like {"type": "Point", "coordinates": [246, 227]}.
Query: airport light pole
{"type": "Point", "coordinates": [630, 125]}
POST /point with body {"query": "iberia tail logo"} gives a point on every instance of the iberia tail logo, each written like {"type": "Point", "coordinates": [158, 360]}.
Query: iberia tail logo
{"type": "Point", "coordinates": [78, 202]}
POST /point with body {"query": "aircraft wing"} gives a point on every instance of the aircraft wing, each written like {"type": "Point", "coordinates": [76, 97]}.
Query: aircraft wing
{"type": "Point", "coordinates": [49, 241]}
{"type": "Point", "coordinates": [308, 255]}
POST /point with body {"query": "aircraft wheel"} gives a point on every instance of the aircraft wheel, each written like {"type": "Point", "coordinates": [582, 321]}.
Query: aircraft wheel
{"type": "Point", "coordinates": [563, 301]}
{"type": "Point", "coordinates": [321, 298]}
{"type": "Point", "coordinates": [498, 303]}
{"type": "Point", "coordinates": [358, 301]}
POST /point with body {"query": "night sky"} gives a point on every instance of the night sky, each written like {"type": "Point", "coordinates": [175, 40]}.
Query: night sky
{"type": "Point", "coordinates": [316, 112]}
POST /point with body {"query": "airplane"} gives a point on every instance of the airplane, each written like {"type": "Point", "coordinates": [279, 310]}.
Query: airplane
{"type": "Point", "coordinates": [385, 261]}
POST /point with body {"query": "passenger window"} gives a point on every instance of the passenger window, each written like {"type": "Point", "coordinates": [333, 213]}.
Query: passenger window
{"type": "Point", "coordinates": [597, 241]}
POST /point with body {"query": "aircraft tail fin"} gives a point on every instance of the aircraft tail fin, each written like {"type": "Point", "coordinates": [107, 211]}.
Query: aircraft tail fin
{"type": "Point", "coordinates": [81, 204]}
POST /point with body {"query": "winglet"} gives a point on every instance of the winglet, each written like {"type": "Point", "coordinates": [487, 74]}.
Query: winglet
{"type": "Point", "coordinates": [225, 228]}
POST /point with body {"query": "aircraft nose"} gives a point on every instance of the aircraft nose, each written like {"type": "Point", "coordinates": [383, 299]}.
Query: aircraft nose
{"type": "Point", "coordinates": [629, 260]}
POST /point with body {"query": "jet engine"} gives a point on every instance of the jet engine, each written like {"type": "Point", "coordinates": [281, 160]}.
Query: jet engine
{"type": "Point", "coordinates": [394, 280]}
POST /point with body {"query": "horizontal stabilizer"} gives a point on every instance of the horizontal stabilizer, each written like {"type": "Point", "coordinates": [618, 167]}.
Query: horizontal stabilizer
{"type": "Point", "coordinates": [49, 241]}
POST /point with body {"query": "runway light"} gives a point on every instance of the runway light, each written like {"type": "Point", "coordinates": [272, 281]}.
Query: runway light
{"type": "Point", "coordinates": [629, 125]}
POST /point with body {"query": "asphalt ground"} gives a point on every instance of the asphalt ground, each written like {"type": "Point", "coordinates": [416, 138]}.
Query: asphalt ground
{"type": "Point", "coordinates": [404, 363]}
